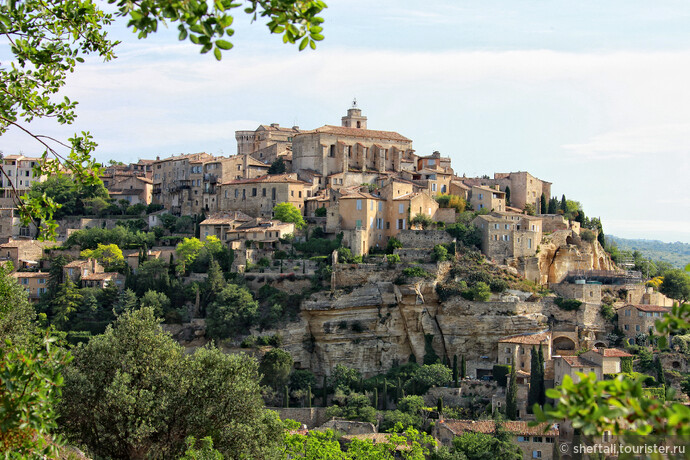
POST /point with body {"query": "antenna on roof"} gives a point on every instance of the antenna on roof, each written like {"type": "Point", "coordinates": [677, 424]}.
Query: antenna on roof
{"type": "Point", "coordinates": [354, 103]}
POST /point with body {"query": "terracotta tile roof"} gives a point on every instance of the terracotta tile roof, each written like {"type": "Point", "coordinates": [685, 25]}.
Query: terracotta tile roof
{"type": "Point", "coordinates": [518, 427]}
{"type": "Point", "coordinates": [358, 132]}
{"type": "Point", "coordinates": [105, 276]}
{"type": "Point", "coordinates": [577, 361]}
{"type": "Point", "coordinates": [527, 339]}
{"type": "Point", "coordinates": [76, 263]}
{"type": "Point", "coordinates": [650, 308]}
{"type": "Point", "coordinates": [31, 274]}
{"type": "Point", "coordinates": [267, 179]}
{"type": "Point", "coordinates": [488, 189]}
{"type": "Point", "coordinates": [226, 218]}
{"type": "Point", "coordinates": [358, 194]}
{"type": "Point", "coordinates": [612, 352]}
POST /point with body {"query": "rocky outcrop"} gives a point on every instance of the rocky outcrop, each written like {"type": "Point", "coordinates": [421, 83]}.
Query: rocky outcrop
{"type": "Point", "coordinates": [564, 250]}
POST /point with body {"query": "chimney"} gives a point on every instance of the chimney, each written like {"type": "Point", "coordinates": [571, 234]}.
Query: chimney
{"type": "Point", "coordinates": [275, 125]}
{"type": "Point", "coordinates": [497, 187]}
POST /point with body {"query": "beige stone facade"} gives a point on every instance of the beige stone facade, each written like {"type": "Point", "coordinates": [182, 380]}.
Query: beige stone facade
{"type": "Point", "coordinates": [482, 197]}
{"type": "Point", "coordinates": [177, 183]}
{"type": "Point", "coordinates": [508, 235]}
{"type": "Point", "coordinates": [134, 189]}
{"type": "Point", "coordinates": [257, 197]}
{"type": "Point", "coordinates": [78, 269]}
{"type": "Point", "coordinates": [517, 350]}
{"type": "Point", "coordinates": [571, 365]}
{"type": "Point", "coordinates": [639, 319]}
{"type": "Point", "coordinates": [222, 170]}
{"type": "Point", "coordinates": [34, 282]}
{"type": "Point", "coordinates": [220, 223]}
{"type": "Point", "coordinates": [24, 253]}
{"type": "Point", "coordinates": [524, 187]}
{"type": "Point", "coordinates": [267, 142]}
{"type": "Point", "coordinates": [262, 233]}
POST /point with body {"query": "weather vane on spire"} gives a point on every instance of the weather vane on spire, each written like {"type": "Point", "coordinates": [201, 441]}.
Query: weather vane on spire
{"type": "Point", "coordinates": [354, 103]}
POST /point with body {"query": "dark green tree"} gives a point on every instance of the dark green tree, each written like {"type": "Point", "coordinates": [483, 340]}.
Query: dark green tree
{"type": "Point", "coordinates": [275, 368]}
{"type": "Point", "coordinates": [286, 397]}
{"type": "Point", "coordinates": [233, 310]}
{"type": "Point", "coordinates": [564, 204]}
{"type": "Point", "coordinates": [542, 385]}
{"type": "Point", "coordinates": [324, 392]}
{"type": "Point", "coordinates": [133, 393]}
{"type": "Point", "coordinates": [544, 207]}
{"type": "Point", "coordinates": [676, 285]}
{"type": "Point", "coordinates": [507, 195]}
{"type": "Point", "coordinates": [463, 368]}
{"type": "Point", "coordinates": [455, 370]}
{"type": "Point", "coordinates": [277, 167]}
{"type": "Point", "coordinates": [660, 377]}
{"type": "Point", "coordinates": [553, 205]}
{"type": "Point", "coordinates": [439, 405]}
{"type": "Point", "coordinates": [534, 381]}
{"type": "Point", "coordinates": [511, 396]}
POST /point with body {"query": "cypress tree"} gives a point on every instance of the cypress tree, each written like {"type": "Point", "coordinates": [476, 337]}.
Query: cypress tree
{"type": "Point", "coordinates": [398, 391]}
{"type": "Point", "coordinates": [309, 396]}
{"type": "Point", "coordinates": [533, 395]}
{"type": "Point", "coordinates": [439, 405]}
{"type": "Point", "coordinates": [287, 397]}
{"type": "Point", "coordinates": [511, 396]}
{"type": "Point", "coordinates": [660, 377]}
{"type": "Point", "coordinates": [376, 398]}
{"type": "Point", "coordinates": [455, 370]}
{"type": "Point", "coordinates": [553, 205]}
{"type": "Point", "coordinates": [564, 204]}
{"type": "Point", "coordinates": [542, 386]}
{"type": "Point", "coordinates": [385, 395]}
{"type": "Point", "coordinates": [543, 204]}
{"type": "Point", "coordinates": [463, 368]}
{"type": "Point", "coordinates": [324, 394]}
{"type": "Point", "coordinates": [507, 195]}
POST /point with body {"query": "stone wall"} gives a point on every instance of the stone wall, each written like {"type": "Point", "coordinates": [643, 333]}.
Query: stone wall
{"type": "Point", "coordinates": [446, 215]}
{"type": "Point", "coordinates": [584, 292]}
{"type": "Point", "coordinates": [310, 416]}
{"type": "Point", "coordinates": [414, 254]}
{"type": "Point", "coordinates": [424, 238]}
{"type": "Point", "coordinates": [360, 274]}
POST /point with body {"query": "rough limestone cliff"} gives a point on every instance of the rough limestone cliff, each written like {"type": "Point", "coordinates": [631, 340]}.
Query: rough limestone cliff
{"type": "Point", "coordinates": [564, 250]}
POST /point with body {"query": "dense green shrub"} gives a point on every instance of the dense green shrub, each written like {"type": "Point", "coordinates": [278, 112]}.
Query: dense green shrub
{"type": "Point", "coordinates": [447, 290]}
{"type": "Point", "coordinates": [498, 285]}
{"type": "Point", "coordinates": [500, 373]}
{"type": "Point", "coordinates": [393, 244]}
{"type": "Point", "coordinates": [567, 304]}
{"type": "Point", "coordinates": [440, 253]}
{"type": "Point", "coordinates": [607, 312]}
{"type": "Point", "coordinates": [416, 272]}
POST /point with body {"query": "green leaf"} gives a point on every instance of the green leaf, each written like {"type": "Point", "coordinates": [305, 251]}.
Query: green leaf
{"type": "Point", "coordinates": [183, 34]}
{"type": "Point", "coordinates": [303, 44]}
{"type": "Point", "coordinates": [223, 44]}
{"type": "Point", "coordinates": [217, 54]}
{"type": "Point", "coordinates": [317, 37]}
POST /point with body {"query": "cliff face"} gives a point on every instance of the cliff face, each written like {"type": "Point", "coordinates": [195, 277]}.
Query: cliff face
{"type": "Point", "coordinates": [564, 250]}
{"type": "Point", "coordinates": [379, 325]}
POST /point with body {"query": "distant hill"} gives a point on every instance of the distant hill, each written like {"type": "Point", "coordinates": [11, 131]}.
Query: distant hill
{"type": "Point", "coordinates": [676, 253]}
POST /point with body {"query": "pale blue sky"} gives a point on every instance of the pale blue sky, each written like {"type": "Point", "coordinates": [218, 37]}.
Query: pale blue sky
{"type": "Point", "coordinates": [589, 95]}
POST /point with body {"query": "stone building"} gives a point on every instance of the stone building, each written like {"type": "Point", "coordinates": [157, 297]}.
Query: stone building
{"type": "Point", "coordinates": [267, 142]}
{"type": "Point", "coordinates": [508, 235]}
{"type": "Point", "coordinates": [11, 227]}
{"type": "Point", "coordinates": [78, 269]}
{"type": "Point", "coordinates": [639, 319]}
{"type": "Point", "coordinates": [103, 280]}
{"type": "Point", "coordinates": [262, 233]}
{"type": "Point", "coordinates": [221, 170]}
{"type": "Point", "coordinates": [350, 147]}
{"type": "Point", "coordinates": [524, 187]}
{"type": "Point", "coordinates": [24, 253]}
{"type": "Point", "coordinates": [600, 361]}
{"type": "Point", "coordinates": [362, 217]}
{"type": "Point", "coordinates": [34, 283]}
{"type": "Point", "coordinates": [257, 197]}
{"type": "Point", "coordinates": [177, 183]}
{"type": "Point", "coordinates": [220, 223]}
{"type": "Point", "coordinates": [535, 441]}
{"type": "Point", "coordinates": [132, 188]}
{"type": "Point", "coordinates": [482, 197]}
{"type": "Point", "coordinates": [517, 350]}
{"type": "Point", "coordinates": [17, 178]}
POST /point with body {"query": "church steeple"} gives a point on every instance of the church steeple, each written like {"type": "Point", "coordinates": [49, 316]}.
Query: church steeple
{"type": "Point", "coordinates": [354, 118]}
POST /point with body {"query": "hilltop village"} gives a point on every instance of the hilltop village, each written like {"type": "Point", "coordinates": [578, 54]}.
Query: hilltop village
{"type": "Point", "coordinates": [358, 261]}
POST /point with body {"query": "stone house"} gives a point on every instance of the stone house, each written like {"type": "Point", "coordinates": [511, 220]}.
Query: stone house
{"type": "Point", "coordinates": [263, 233]}
{"type": "Point", "coordinates": [24, 253]}
{"type": "Point", "coordinates": [133, 258]}
{"type": "Point", "coordinates": [609, 359]}
{"type": "Point", "coordinates": [516, 350]}
{"type": "Point", "coordinates": [524, 187]}
{"type": "Point", "coordinates": [534, 441]}
{"type": "Point", "coordinates": [257, 197]}
{"type": "Point", "coordinates": [482, 197]}
{"type": "Point", "coordinates": [508, 235]}
{"type": "Point", "coordinates": [434, 161]}
{"type": "Point", "coordinates": [639, 319]}
{"type": "Point", "coordinates": [362, 219]}
{"type": "Point", "coordinates": [175, 179]}
{"type": "Point", "coordinates": [571, 365]}
{"type": "Point", "coordinates": [103, 280]}
{"type": "Point", "coordinates": [457, 187]}
{"type": "Point", "coordinates": [134, 189]}
{"type": "Point", "coordinates": [18, 177]}
{"type": "Point", "coordinates": [218, 224]}
{"type": "Point", "coordinates": [11, 227]}
{"type": "Point", "coordinates": [78, 269]}
{"type": "Point", "coordinates": [34, 283]}
{"type": "Point", "coordinates": [267, 142]}
{"type": "Point", "coordinates": [222, 170]}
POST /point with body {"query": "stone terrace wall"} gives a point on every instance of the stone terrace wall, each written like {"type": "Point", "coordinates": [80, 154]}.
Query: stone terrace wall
{"type": "Point", "coordinates": [424, 238]}
{"type": "Point", "coordinates": [310, 416]}
{"type": "Point", "coordinates": [361, 274]}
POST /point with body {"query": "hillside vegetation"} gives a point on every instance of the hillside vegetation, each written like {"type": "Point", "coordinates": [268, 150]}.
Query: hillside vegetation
{"type": "Point", "coordinates": [677, 254]}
